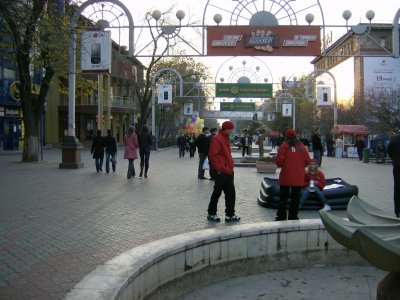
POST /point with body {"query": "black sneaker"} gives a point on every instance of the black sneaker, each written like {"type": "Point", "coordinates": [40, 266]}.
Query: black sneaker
{"type": "Point", "coordinates": [233, 218]}
{"type": "Point", "coordinates": [213, 218]}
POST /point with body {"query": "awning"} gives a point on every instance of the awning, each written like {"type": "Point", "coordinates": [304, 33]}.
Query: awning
{"type": "Point", "coordinates": [350, 129]}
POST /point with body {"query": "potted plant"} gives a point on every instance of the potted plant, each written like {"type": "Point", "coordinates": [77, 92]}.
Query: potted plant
{"type": "Point", "coordinates": [266, 164]}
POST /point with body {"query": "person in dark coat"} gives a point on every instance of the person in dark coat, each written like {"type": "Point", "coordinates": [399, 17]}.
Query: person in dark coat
{"type": "Point", "coordinates": [111, 151]}
{"type": "Point", "coordinates": [360, 145]}
{"type": "Point", "coordinates": [192, 144]}
{"type": "Point", "coordinates": [213, 132]}
{"type": "Point", "coordinates": [394, 154]}
{"type": "Point", "coordinates": [145, 143]}
{"type": "Point", "coordinates": [181, 143]}
{"type": "Point", "coordinates": [202, 149]}
{"type": "Point", "coordinates": [98, 151]}
{"type": "Point", "coordinates": [246, 142]}
{"type": "Point", "coordinates": [293, 158]}
{"type": "Point", "coordinates": [317, 147]}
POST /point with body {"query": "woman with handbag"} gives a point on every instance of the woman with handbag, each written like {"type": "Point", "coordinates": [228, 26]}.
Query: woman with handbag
{"type": "Point", "coordinates": [131, 144]}
{"type": "Point", "coordinates": [145, 142]}
{"type": "Point", "coordinates": [111, 151]}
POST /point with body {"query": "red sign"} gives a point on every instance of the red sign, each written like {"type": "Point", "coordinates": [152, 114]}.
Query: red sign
{"type": "Point", "coordinates": [263, 41]}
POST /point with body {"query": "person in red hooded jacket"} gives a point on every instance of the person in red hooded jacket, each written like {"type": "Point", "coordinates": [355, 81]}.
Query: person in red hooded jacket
{"type": "Point", "coordinates": [221, 160]}
{"type": "Point", "coordinates": [293, 158]}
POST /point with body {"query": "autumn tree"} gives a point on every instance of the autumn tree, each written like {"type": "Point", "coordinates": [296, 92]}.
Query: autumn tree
{"type": "Point", "coordinates": [32, 26]}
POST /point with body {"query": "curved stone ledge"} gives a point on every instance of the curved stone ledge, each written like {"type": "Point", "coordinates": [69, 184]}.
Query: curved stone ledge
{"type": "Point", "coordinates": [171, 267]}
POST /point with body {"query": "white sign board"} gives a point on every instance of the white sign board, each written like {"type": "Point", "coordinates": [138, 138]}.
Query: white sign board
{"type": "Point", "coordinates": [96, 52]}
{"type": "Point", "coordinates": [381, 72]}
{"type": "Point", "coordinates": [164, 94]}
{"type": "Point", "coordinates": [286, 109]}
{"type": "Point", "coordinates": [188, 109]}
{"type": "Point", "coordinates": [324, 95]}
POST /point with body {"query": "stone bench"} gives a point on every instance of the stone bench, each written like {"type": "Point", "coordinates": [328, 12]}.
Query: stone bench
{"type": "Point", "coordinates": [170, 267]}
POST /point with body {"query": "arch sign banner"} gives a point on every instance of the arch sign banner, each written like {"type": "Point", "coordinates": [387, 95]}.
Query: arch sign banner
{"type": "Point", "coordinates": [263, 40]}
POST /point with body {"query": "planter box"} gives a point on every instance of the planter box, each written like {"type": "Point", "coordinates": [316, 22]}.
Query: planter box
{"type": "Point", "coordinates": [266, 167]}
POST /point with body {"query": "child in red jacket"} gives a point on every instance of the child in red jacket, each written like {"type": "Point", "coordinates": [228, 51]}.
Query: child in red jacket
{"type": "Point", "coordinates": [315, 183]}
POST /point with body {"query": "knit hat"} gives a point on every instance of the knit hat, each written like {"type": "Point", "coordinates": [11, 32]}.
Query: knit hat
{"type": "Point", "coordinates": [313, 160]}
{"type": "Point", "coordinates": [291, 133]}
{"type": "Point", "coordinates": [227, 125]}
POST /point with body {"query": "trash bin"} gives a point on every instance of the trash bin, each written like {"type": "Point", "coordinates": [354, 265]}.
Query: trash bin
{"type": "Point", "coordinates": [366, 155]}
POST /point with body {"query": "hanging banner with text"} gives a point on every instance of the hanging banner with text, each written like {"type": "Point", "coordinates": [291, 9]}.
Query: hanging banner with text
{"type": "Point", "coordinates": [237, 106]}
{"type": "Point", "coordinates": [263, 40]}
{"type": "Point", "coordinates": [243, 90]}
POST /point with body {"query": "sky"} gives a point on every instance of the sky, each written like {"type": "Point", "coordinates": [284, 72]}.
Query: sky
{"type": "Point", "coordinates": [385, 11]}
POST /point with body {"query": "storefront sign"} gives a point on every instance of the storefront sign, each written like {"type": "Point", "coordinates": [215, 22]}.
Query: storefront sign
{"type": "Point", "coordinates": [243, 90]}
{"type": "Point", "coordinates": [263, 40]}
{"type": "Point", "coordinates": [237, 106]}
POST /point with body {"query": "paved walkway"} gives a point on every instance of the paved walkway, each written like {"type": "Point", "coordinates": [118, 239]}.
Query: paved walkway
{"type": "Point", "coordinates": [57, 225]}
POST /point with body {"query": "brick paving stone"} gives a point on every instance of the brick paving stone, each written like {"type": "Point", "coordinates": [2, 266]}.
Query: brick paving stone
{"type": "Point", "coordinates": [57, 225]}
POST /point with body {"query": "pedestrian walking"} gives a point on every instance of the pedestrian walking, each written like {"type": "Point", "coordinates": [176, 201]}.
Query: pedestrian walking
{"type": "Point", "coordinates": [131, 144]}
{"type": "Point", "coordinates": [213, 132]}
{"type": "Point", "coordinates": [221, 159]}
{"type": "Point", "coordinates": [315, 183]}
{"type": "Point", "coordinates": [360, 145]}
{"type": "Point", "coordinates": [98, 151]}
{"type": "Point", "coordinates": [202, 149]}
{"type": "Point", "coordinates": [111, 151]}
{"type": "Point", "coordinates": [293, 158]}
{"type": "Point", "coordinates": [181, 143]}
{"type": "Point", "coordinates": [318, 148]}
{"type": "Point", "coordinates": [394, 154]}
{"type": "Point", "coordinates": [246, 142]}
{"type": "Point", "coordinates": [145, 143]}
{"type": "Point", "coordinates": [192, 145]}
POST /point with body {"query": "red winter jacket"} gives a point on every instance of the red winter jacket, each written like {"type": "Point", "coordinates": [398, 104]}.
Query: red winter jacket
{"type": "Point", "coordinates": [319, 179]}
{"type": "Point", "coordinates": [220, 153]}
{"type": "Point", "coordinates": [293, 161]}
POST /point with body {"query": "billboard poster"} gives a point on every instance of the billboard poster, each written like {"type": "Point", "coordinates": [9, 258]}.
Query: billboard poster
{"type": "Point", "coordinates": [188, 109]}
{"type": "Point", "coordinates": [324, 95]}
{"type": "Point", "coordinates": [382, 73]}
{"type": "Point", "coordinates": [286, 109]}
{"type": "Point", "coordinates": [263, 41]}
{"type": "Point", "coordinates": [96, 52]}
{"type": "Point", "coordinates": [164, 94]}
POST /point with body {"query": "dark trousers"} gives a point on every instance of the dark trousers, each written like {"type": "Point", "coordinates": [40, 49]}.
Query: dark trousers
{"type": "Point", "coordinates": [99, 163]}
{"type": "Point", "coordinates": [144, 158]}
{"type": "Point", "coordinates": [181, 151]}
{"type": "Point", "coordinates": [131, 169]}
{"type": "Point", "coordinates": [246, 149]}
{"type": "Point", "coordinates": [109, 156]}
{"type": "Point", "coordinates": [226, 184]}
{"type": "Point", "coordinates": [200, 171]}
{"type": "Point", "coordinates": [396, 179]}
{"type": "Point", "coordinates": [294, 203]}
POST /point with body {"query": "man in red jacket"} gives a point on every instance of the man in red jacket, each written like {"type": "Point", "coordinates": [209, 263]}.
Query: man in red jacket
{"type": "Point", "coordinates": [221, 159]}
{"type": "Point", "coordinates": [293, 158]}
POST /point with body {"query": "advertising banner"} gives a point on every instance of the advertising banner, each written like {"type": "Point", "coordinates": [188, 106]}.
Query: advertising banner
{"type": "Point", "coordinates": [188, 109]}
{"type": "Point", "coordinates": [263, 41]}
{"type": "Point", "coordinates": [243, 90]}
{"type": "Point", "coordinates": [286, 110]}
{"type": "Point", "coordinates": [96, 52]}
{"type": "Point", "coordinates": [324, 96]}
{"type": "Point", "coordinates": [237, 106]}
{"type": "Point", "coordinates": [164, 94]}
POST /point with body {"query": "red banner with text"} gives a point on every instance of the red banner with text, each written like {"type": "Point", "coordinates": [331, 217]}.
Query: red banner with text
{"type": "Point", "coordinates": [263, 41]}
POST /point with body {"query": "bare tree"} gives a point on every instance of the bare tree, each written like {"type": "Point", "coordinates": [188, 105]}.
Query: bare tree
{"type": "Point", "coordinates": [383, 109]}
